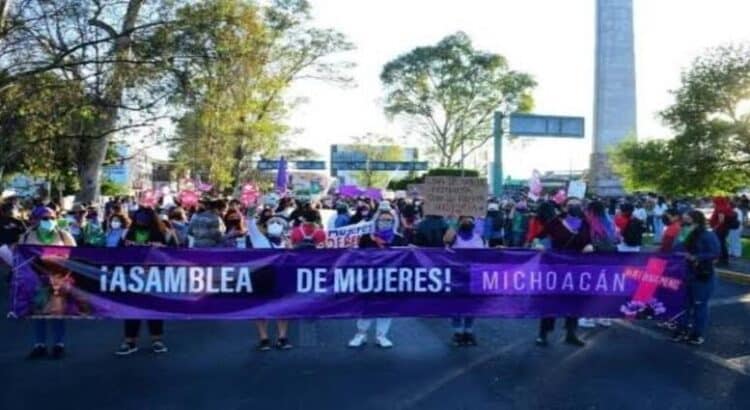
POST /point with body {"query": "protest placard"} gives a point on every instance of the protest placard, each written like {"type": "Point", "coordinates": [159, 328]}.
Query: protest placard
{"type": "Point", "coordinates": [348, 236]}
{"type": "Point", "coordinates": [455, 196]}
{"type": "Point", "coordinates": [576, 189]}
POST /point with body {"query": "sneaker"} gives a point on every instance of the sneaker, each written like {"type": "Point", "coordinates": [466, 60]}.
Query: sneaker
{"type": "Point", "coordinates": [679, 336]}
{"type": "Point", "coordinates": [264, 345]}
{"type": "Point", "coordinates": [541, 341]}
{"type": "Point", "coordinates": [283, 344]}
{"type": "Point", "coordinates": [383, 342]}
{"type": "Point", "coordinates": [584, 322]}
{"type": "Point", "coordinates": [469, 339]}
{"type": "Point", "coordinates": [38, 352]}
{"type": "Point", "coordinates": [573, 340]}
{"type": "Point", "coordinates": [58, 352]}
{"type": "Point", "coordinates": [126, 348]}
{"type": "Point", "coordinates": [158, 347]}
{"type": "Point", "coordinates": [696, 340]}
{"type": "Point", "coordinates": [604, 322]}
{"type": "Point", "coordinates": [458, 339]}
{"type": "Point", "coordinates": [358, 340]}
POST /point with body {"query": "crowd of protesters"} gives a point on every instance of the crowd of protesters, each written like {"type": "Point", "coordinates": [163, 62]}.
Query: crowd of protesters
{"type": "Point", "coordinates": [278, 222]}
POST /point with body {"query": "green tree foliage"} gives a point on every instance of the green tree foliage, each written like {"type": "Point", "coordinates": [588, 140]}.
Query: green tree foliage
{"type": "Point", "coordinates": [239, 106]}
{"type": "Point", "coordinates": [710, 151]}
{"type": "Point", "coordinates": [449, 92]}
{"type": "Point", "coordinates": [376, 148]}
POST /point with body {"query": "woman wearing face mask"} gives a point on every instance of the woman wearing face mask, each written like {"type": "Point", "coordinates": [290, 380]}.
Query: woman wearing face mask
{"type": "Point", "coordinates": [179, 224]}
{"type": "Point", "coordinates": [493, 225]}
{"type": "Point", "coordinates": [46, 233]}
{"type": "Point", "coordinates": [703, 250]}
{"type": "Point", "coordinates": [147, 230]}
{"type": "Point", "coordinates": [464, 238]}
{"type": "Point", "coordinates": [235, 236]}
{"type": "Point", "coordinates": [568, 231]}
{"type": "Point", "coordinates": [272, 237]}
{"type": "Point", "coordinates": [361, 214]}
{"type": "Point", "coordinates": [117, 227]}
{"type": "Point", "coordinates": [93, 233]}
{"type": "Point", "coordinates": [384, 237]}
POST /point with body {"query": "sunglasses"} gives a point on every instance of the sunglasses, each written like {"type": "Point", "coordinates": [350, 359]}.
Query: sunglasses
{"type": "Point", "coordinates": [47, 218]}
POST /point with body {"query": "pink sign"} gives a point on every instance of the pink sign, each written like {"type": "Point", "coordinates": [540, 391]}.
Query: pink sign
{"type": "Point", "coordinates": [149, 198]}
{"type": "Point", "coordinates": [188, 198]}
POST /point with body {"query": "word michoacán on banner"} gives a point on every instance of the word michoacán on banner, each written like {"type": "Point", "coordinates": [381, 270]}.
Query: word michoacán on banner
{"type": "Point", "coordinates": [162, 283]}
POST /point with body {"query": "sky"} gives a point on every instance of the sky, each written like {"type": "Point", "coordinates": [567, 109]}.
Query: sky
{"type": "Point", "coordinates": [553, 40]}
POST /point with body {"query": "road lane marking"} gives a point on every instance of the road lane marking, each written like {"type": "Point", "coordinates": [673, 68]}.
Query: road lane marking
{"type": "Point", "coordinates": [731, 301]}
{"type": "Point", "coordinates": [715, 359]}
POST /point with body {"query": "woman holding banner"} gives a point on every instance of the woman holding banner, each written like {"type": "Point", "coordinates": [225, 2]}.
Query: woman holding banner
{"type": "Point", "coordinates": [568, 231]}
{"type": "Point", "coordinates": [465, 238]}
{"type": "Point", "coordinates": [46, 233]}
{"type": "Point", "coordinates": [147, 230]}
{"type": "Point", "coordinates": [271, 237]}
{"type": "Point", "coordinates": [385, 236]}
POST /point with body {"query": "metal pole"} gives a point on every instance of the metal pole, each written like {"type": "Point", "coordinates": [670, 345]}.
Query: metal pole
{"type": "Point", "coordinates": [497, 131]}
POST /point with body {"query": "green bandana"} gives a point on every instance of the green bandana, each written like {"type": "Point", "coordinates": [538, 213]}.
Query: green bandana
{"type": "Point", "coordinates": [141, 236]}
{"type": "Point", "coordinates": [46, 237]}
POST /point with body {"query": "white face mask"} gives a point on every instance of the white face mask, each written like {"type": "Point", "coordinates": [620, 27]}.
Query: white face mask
{"type": "Point", "coordinates": [275, 230]}
{"type": "Point", "coordinates": [115, 224]}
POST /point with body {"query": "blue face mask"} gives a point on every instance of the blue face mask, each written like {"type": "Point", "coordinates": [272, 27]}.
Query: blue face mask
{"type": "Point", "coordinates": [385, 230]}
{"type": "Point", "coordinates": [47, 225]}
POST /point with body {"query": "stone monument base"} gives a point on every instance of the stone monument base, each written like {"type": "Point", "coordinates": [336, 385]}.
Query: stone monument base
{"type": "Point", "coordinates": [602, 180]}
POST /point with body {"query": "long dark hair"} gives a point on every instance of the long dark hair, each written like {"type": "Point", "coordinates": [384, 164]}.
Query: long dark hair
{"type": "Point", "coordinates": [699, 220]}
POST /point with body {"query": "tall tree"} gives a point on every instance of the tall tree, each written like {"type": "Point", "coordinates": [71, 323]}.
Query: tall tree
{"type": "Point", "coordinates": [239, 96]}
{"type": "Point", "coordinates": [448, 94]}
{"type": "Point", "coordinates": [710, 151]}
{"type": "Point", "coordinates": [105, 46]}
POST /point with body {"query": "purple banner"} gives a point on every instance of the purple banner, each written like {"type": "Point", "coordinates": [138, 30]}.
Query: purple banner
{"type": "Point", "coordinates": [150, 283]}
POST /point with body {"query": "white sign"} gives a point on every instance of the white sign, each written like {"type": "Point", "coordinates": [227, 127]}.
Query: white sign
{"type": "Point", "coordinates": [348, 236]}
{"type": "Point", "coordinates": [576, 189]}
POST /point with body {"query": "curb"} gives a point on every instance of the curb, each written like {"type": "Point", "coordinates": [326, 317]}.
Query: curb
{"type": "Point", "coordinates": [732, 276]}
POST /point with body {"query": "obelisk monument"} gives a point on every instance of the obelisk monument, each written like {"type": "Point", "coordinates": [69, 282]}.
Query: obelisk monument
{"type": "Point", "coordinates": [615, 95]}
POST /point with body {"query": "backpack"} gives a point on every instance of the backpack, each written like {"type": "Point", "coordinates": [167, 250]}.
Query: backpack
{"type": "Point", "coordinates": [733, 222]}
{"type": "Point", "coordinates": [633, 233]}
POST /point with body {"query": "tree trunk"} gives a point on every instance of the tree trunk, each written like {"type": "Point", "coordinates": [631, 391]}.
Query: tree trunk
{"type": "Point", "coordinates": [95, 150]}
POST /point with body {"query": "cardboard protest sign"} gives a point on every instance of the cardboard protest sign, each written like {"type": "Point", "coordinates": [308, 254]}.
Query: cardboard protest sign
{"type": "Point", "coordinates": [455, 196]}
{"type": "Point", "coordinates": [348, 236]}
{"type": "Point", "coordinates": [576, 189]}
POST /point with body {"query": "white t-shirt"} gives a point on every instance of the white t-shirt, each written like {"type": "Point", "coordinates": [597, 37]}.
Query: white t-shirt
{"type": "Point", "coordinates": [659, 210]}
{"type": "Point", "coordinates": [475, 242]}
{"type": "Point", "coordinates": [640, 213]}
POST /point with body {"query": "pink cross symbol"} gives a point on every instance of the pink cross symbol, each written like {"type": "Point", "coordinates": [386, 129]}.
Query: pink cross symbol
{"type": "Point", "coordinates": [646, 289]}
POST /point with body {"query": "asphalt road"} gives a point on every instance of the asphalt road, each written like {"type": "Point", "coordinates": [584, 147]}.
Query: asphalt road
{"type": "Point", "coordinates": [211, 365]}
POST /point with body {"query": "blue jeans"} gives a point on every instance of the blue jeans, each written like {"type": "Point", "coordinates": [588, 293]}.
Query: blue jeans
{"type": "Point", "coordinates": [658, 229]}
{"type": "Point", "coordinates": [462, 324]}
{"type": "Point", "coordinates": [696, 315]}
{"type": "Point", "coordinates": [40, 331]}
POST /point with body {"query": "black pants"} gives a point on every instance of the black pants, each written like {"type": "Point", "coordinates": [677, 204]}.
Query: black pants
{"type": "Point", "coordinates": [724, 249]}
{"type": "Point", "coordinates": [133, 328]}
{"type": "Point", "coordinates": [496, 242]}
{"type": "Point", "coordinates": [547, 324]}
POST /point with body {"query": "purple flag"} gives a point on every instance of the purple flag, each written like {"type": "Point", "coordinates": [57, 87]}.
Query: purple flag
{"type": "Point", "coordinates": [349, 191]}
{"type": "Point", "coordinates": [373, 193]}
{"type": "Point", "coordinates": [281, 176]}
{"type": "Point", "coordinates": [223, 283]}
